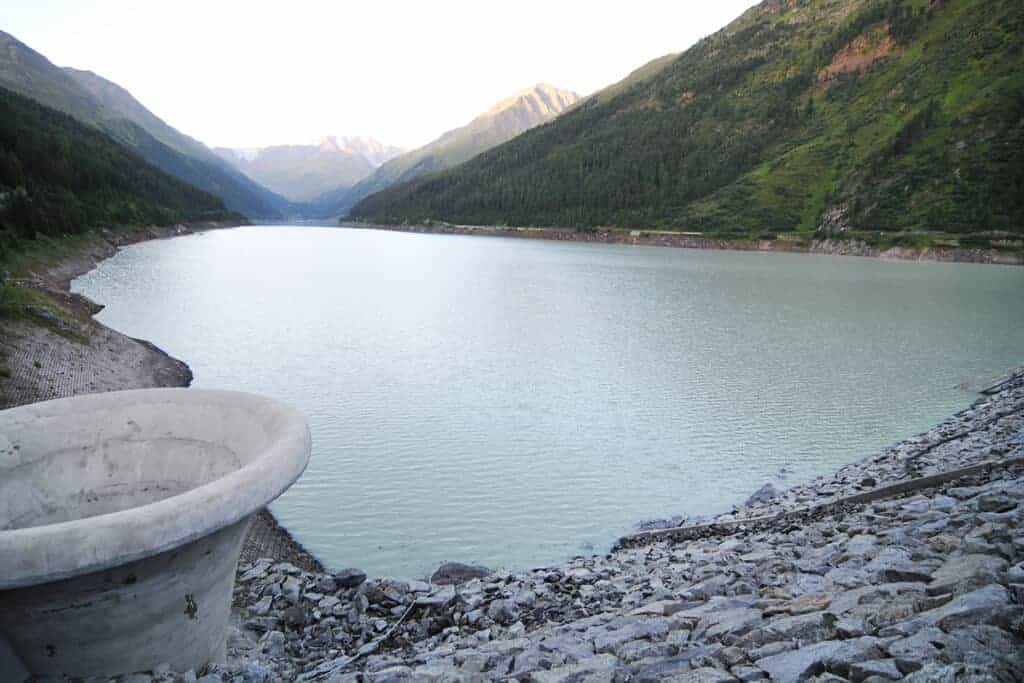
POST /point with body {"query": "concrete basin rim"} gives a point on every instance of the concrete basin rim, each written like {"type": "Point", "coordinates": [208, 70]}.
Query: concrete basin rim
{"type": "Point", "coordinates": [42, 554]}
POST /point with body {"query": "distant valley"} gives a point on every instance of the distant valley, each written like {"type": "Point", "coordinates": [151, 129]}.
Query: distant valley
{"type": "Point", "coordinates": [502, 122]}
{"type": "Point", "coordinates": [304, 172]}
{"type": "Point", "coordinates": [890, 124]}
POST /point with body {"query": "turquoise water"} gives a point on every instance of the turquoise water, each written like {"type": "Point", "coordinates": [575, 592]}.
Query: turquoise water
{"type": "Point", "coordinates": [515, 402]}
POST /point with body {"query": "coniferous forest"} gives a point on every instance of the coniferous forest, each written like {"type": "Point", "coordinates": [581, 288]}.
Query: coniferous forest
{"type": "Point", "coordinates": [815, 117]}
{"type": "Point", "coordinates": [58, 176]}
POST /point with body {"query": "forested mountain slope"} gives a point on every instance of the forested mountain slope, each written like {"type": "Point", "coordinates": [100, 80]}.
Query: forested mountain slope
{"type": "Point", "coordinates": [96, 101]}
{"type": "Point", "coordinates": [59, 176]}
{"type": "Point", "coordinates": [814, 116]}
{"type": "Point", "coordinates": [502, 122]}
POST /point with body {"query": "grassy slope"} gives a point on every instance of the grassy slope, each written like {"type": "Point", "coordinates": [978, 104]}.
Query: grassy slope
{"type": "Point", "coordinates": [739, 136]}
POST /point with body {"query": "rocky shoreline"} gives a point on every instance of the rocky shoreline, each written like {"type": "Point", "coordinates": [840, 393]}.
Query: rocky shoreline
{"type": "Point", "coordinates": [924, 585]}
{"type": "Point", "coordinates": [683, 240]}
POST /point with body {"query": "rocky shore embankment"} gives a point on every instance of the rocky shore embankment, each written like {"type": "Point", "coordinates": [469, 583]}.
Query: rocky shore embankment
{"type": "Point", "coordinates": [683, 240]}
{"type": "Point", "coordinates": [923, 585]}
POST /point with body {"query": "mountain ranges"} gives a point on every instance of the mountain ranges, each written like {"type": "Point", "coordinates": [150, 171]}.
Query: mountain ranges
{"type": "Point", "coordinates": [898, 122]}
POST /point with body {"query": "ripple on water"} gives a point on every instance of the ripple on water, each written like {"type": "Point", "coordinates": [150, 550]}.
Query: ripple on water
{"type": "Point", "coordinates": [516, 402]}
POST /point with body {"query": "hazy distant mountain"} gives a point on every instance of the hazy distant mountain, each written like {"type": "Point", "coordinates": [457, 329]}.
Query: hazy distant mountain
{"type": "Point", "coordinates": [505, 120]}
{"type": "Point", "coordinates": [302, 172]}
{"type": "Point", "coordinates": [96, 101]}
{"type": "Point", "coordinates": [375, 151]}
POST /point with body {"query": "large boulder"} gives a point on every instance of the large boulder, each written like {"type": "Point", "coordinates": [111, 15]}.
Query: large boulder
{"type": "Point", "coordinates": [834, 656]}
{"type": "Point", "coordinates": [965, 572]}
{"type": "Point", "coordinates": [350, 578]}
{"type": "Point", "coordinates": [453, 573]}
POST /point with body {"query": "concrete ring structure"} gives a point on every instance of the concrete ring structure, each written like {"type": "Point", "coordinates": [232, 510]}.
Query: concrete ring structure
{"type": "Point", "coordinates": [121, 520]}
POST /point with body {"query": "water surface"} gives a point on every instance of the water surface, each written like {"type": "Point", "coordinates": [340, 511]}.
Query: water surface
{"type": "Point", "coordinates": [516, 402]}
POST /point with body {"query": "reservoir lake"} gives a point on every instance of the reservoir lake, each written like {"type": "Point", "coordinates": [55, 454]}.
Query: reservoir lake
{"type": "Point", "coordinates": [517, 402]}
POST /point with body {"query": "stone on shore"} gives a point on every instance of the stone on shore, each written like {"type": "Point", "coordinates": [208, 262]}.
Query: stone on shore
{"type": "Point", "coordinates": [454, 573]}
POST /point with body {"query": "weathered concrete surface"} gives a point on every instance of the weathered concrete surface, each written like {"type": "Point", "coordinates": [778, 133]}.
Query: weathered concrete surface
{"type": "Point", "coordinates": [121, 520]}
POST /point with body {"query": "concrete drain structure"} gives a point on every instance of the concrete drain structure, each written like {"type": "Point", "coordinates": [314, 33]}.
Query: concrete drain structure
{"type": "Point", "coordinates": [121, 519]}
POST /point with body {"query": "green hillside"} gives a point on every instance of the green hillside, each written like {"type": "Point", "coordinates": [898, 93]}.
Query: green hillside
{"type": "Point", "coordinates": [96, 101]}
{"type": "Point", "coordinates": [504, 121]}
{"type": "Point", "coordinates": [817, 117]}
{"type": "Point", "coordinates": [58, 176]}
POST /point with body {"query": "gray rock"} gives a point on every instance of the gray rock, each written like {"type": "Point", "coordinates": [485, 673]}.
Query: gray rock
{"type": "Point", "coordinates": [804, 627]}
{"type": "Point", "coordinates": [636, 650]}
{"type": "Point", "coordinates": [895, 565]}
{"type": "Point", "coordinates": [638, 629]}
{"type": "Point", "coordinates": [846, 601]}
{"type": "Point", "coordinates": [294, 616]}
{"type": "Point", "coordinates": [136, 678]}
{"type": "Point", "coordinates": [660, 669]}
{"type": "Point", "coordinates": [714, 586]}
{"type": "Point", "coordinates": [861, 545]}
{"type": "Point", "coordinates": [571, 648]}
{"type": "Point", "coordinates": [291, 589]}
{"type": "Point", "coordinates": [934, 672]}
{"type": "Point", "coordinates": [705, 674]}
{"type": "Point", "coordinates": [879, 668]}
{"type": "Point", "coordinates": [734, 622]}
{"type": "Point", "coordinates": [454, 573]}
{"type": "Point", "coordinates": [985, 646]}
{"type": "Point", "coordinates": [966, 572]}
{"type": "Point", "coordinates": [995, 502]}
{"type": "Point", "coordinates": [834, 656]}
{"type": "Point", "coordinates": [392, 674]}
{"type": "Point", "coordinates": [987, 605]}
{"type": "Point", "coordinates": [286, 568]}
{"type": "Point", "coordinates": [763, 495]}
{"type": "Point", "coordinates": [664, 608]}
{"type": "Point", "coordinates": [439, 598]}
{"type": "Point", "coordinates": [851, 628]}
{"type": "Point", "coordinates": [272, 644]}
{"type": "Point", "coordinates": [350, 578]}
{"type": "Point", "coordinates": [598, 668]}
{"type": "Point", "coordinates": [772, 649]}
{"type": "Point", "coordinates": [919, 646]}
{"type": "Point", "coordinates": [262, 606]}
{"type": "Point", "coordinates": [253, 672]}
{"type": "Point", "coordinates": [748, 673]}
{"type": "Point", "coordinates": [503, 612]}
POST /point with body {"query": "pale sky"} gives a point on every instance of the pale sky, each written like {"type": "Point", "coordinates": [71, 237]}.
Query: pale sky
{"type": "Point", "coordinates": [252, 73]}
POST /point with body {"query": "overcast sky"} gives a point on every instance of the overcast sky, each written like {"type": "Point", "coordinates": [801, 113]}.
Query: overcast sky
{"type": "Point", "coordinates": [259, 73]}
